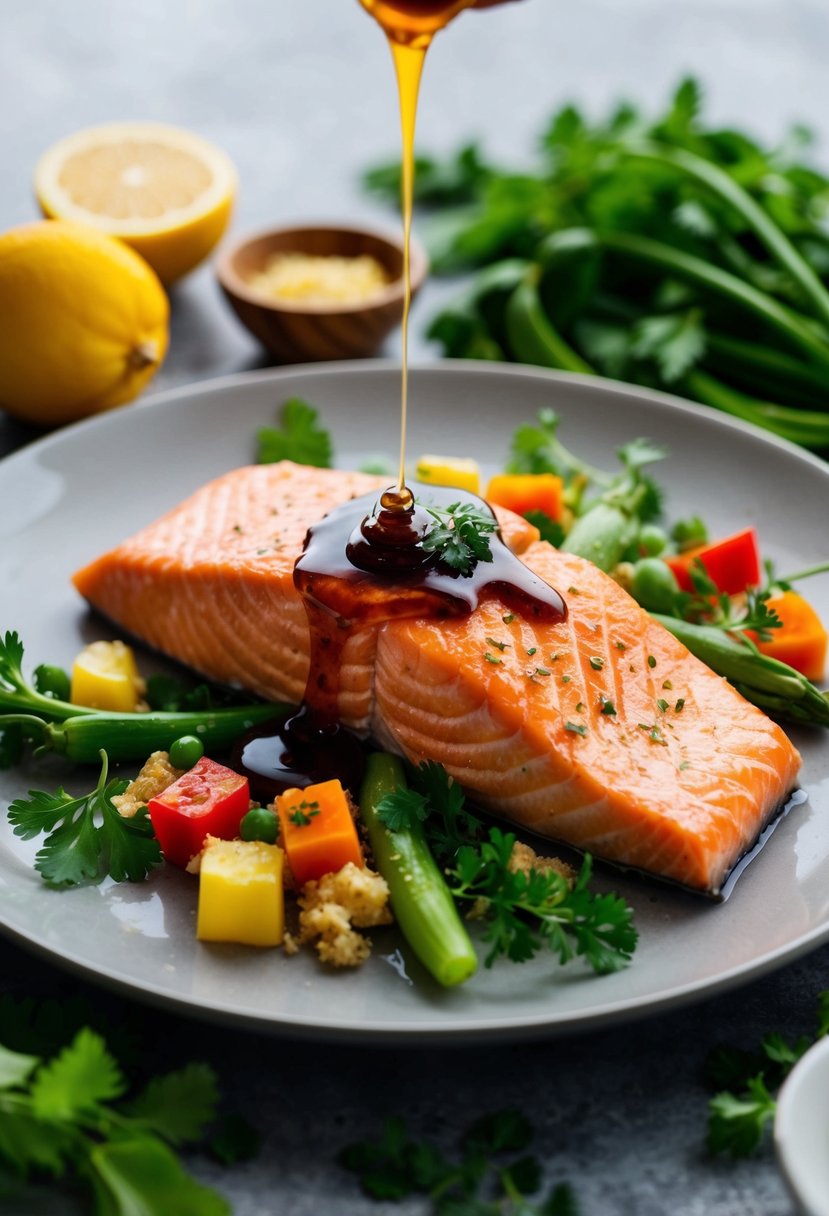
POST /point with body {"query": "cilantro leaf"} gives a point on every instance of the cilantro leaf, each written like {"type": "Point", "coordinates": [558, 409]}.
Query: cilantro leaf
{"type": "Point", "coordinates": [528, 910]}
{"type": "Point", "coordinates": [142, 1177]}
{"type": "Point", "coordinates": [177, 1106]}
{"type": "Point", "coordinates": [298, 438]}
{"type": "Point", "coordinates": [88, 838]}
{"type": "Point", "coordinates": [81, 1077]}
{"type": "Point", "coordinates": [449, 825]}
{"type": "Point", "coordinates": [737, 1123]}
{"type": "Point", "coordinates": [460, 535]}
{"type": "Point", "coordinates": [402, 809]}
{"type": "Point", "coordinates": [234, 1139]}
{"type": "Point", "coordinates": [15, 1067]}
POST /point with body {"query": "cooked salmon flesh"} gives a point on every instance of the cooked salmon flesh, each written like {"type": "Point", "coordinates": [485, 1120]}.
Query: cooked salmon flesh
{"type": "Point", "coordinates": [601, 731]}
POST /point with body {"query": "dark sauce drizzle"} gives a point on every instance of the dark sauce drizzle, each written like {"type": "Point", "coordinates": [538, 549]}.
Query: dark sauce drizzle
{"type": "Point", "coordinates": [363, 564]}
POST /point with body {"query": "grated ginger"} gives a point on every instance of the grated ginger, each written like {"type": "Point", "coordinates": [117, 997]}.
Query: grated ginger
{"type": "Point", "coordinates": [331, 908]}
{"type": "Point", "coordinates": [309, 279]}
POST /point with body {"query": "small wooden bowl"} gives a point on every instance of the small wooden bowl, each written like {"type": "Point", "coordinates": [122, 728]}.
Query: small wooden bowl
{"type": "Point", "coordinates": [297, 332]}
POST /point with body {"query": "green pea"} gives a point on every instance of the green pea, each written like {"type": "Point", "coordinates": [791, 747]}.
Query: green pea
{"type": "Point", "coordinates": [653, 540]}
{"type": "Point", "coordinates": [52, 681]}
{"type": "Point", "coordinates": [653, 585]}
{"type": "Point", "coordinates": [260, 824]}
{"type": "Point", "coordinates": [186, 751]}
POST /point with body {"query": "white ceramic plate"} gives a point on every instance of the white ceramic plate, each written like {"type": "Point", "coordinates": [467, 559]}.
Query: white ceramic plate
{"type": "Point", "coordinates": [73, 495]}
{"type": "Point", "coordinates": [801, 1131]}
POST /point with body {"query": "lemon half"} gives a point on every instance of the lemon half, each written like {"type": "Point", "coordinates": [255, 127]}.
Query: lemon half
{"type": "Point", "coordinates": [164, 191]}
{"type": "Point", "coordinates": [83, 322]}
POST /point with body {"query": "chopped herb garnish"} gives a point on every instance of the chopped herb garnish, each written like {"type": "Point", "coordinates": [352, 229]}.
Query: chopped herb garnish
{"type": "Point", "coordinates": [654, 733]}
{"type": "Point", "coordinates": [662, 704]}
{"type": "Point", "coordinates": [667, 684]}
{"type": "Point", "coordinates": [573, 591]}
{"type": "Point", "coordinates": [303, 814]}
{"type": "Point", "coordinates": [490, 658]}
{"type": "Point", "coordinates": [509, 618]}
{"type": "Point", "coordinates": [680, 704]}
{"type": "Point", "coordinates": [651, 661]}
{"type": "Point", "coordinates": [608, 708]}
{"type": "Point", "coordinates": [576, 728]}
{"type": "Point", "coordinates": [685, 764]}
{"type": "Point", "coordinates": [596, 662]}
{"type": "Point", "coordinates": [580, 707]}
{"type": "Point", "coordinates": [566, 679]}
{"type": "Point", "coordinates": [237, 528]}
{"type": "Point", "coordinates": [532, 651]}
{"type": "Point", "coordinates": [460, 535]}
{"type": "Point", "coordinates": [543, 671]}
{"type": "Point", "coordinates": [498, 645]}
{"type": "Point", "coordinates": [621, 646]}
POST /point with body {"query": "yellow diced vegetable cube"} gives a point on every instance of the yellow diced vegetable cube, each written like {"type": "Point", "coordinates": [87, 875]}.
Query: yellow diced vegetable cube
{"type": "Point", "coordinates": [449, 471]}
{"type": "Point", "coordinates": [241, 898]}
{"type": "Point", "coordinates": [105, 676]}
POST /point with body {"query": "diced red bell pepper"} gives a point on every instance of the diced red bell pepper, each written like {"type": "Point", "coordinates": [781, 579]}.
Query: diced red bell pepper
{"type": "Point", "coordinates": [732, 564]}
{"type": "Point", "coordinates": [208, 800]}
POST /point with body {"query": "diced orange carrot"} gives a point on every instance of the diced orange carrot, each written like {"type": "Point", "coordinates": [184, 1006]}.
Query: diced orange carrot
{"type": "Point", "coordinates": [318, 832]}
{"type": "Point", "coordinates": [523, 492]}
{"type": "Point", "coordinates": [801, 640]}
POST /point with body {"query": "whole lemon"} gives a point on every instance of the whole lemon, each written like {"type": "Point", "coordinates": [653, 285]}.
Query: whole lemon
{"type": "Point", "coordinates": [83, 322]}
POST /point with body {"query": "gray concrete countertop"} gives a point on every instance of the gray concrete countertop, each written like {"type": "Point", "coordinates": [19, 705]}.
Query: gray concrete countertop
{"type": "Point", "coordinates": [300, 95]}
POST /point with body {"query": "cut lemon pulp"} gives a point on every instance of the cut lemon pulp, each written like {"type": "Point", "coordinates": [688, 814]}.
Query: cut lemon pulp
{"type": "Point", "coordinates": [164, 191]}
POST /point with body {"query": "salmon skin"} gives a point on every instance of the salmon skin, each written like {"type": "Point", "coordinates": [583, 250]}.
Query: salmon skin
{"type": "Point", "coordinates": [600, 731]}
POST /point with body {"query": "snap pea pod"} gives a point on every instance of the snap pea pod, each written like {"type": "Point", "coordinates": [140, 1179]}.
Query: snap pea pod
{"type": "Point", "coordinates": [422, 903]}
{"type": "Point", "coordinates": [133, 736]}
{"type": "Point", "coordinates": [766, 682]}
{"type": "Point", "coordinates": [603, 533]}
{"type": "Point", "coordinates": [532, 336]}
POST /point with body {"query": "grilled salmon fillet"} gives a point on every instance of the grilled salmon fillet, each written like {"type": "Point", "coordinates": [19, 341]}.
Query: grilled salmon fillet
{"type": "Point", "coordinates": [601, 731]}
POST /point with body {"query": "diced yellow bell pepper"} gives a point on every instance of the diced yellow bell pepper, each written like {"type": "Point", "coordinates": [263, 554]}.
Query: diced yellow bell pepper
{"type": "Point", "coordinates": [241, 898]}
{"type": "Point", "coordinates": [105, 676]}
{"type": "Point", "coordinates": [449, 471]}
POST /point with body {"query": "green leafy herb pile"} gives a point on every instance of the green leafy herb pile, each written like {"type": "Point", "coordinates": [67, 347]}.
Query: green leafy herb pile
{"type": "Point", "coordinates": [741, 1112]}
{"type": "Point", "coordinates": [495, 1175]}
{"type": "Point", "coordinates": [68, 1117]}
{"type": "Point", "coordinates": [663, 252]}
{"type": "Point", "coordinates": [523, 910]}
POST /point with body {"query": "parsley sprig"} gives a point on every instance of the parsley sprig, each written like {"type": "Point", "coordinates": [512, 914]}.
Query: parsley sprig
{"type": "Point", "coordinates": [493, 1176]}
{"type": "Point", "coordinates": [523, 911]}
{"type": "Point", "coordinates": [740, 1114]}
{"type": "Point", "coordinates": [299, 437]}
{"type": "Point", "coordinates": [460, 535]}
{"type": "Point", "coordinates": [67, 1117]}
{"type": "Point", "coordinates": [87, 836]}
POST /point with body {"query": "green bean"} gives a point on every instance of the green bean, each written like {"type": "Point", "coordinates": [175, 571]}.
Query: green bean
{"type": "Point", "coordinates": [764, 227]}
{"type": "Point", "coordinates": [422, 903]}
{"type": "Point", "coordinates": [807, 427]}
{"type": "Point", "coordinates": [134, 736]}
{"type": "Point", "coordinates": [531, 334]}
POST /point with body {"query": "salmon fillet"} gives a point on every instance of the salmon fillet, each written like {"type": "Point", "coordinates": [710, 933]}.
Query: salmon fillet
{"type": "Point", "coordinates": [211, 582]}
{"type": "Point", "coordinates": [601, 731]}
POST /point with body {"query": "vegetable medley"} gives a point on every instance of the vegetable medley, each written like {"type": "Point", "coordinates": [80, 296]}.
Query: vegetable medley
{"type": "Point", "coordinates": [408, 847]}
